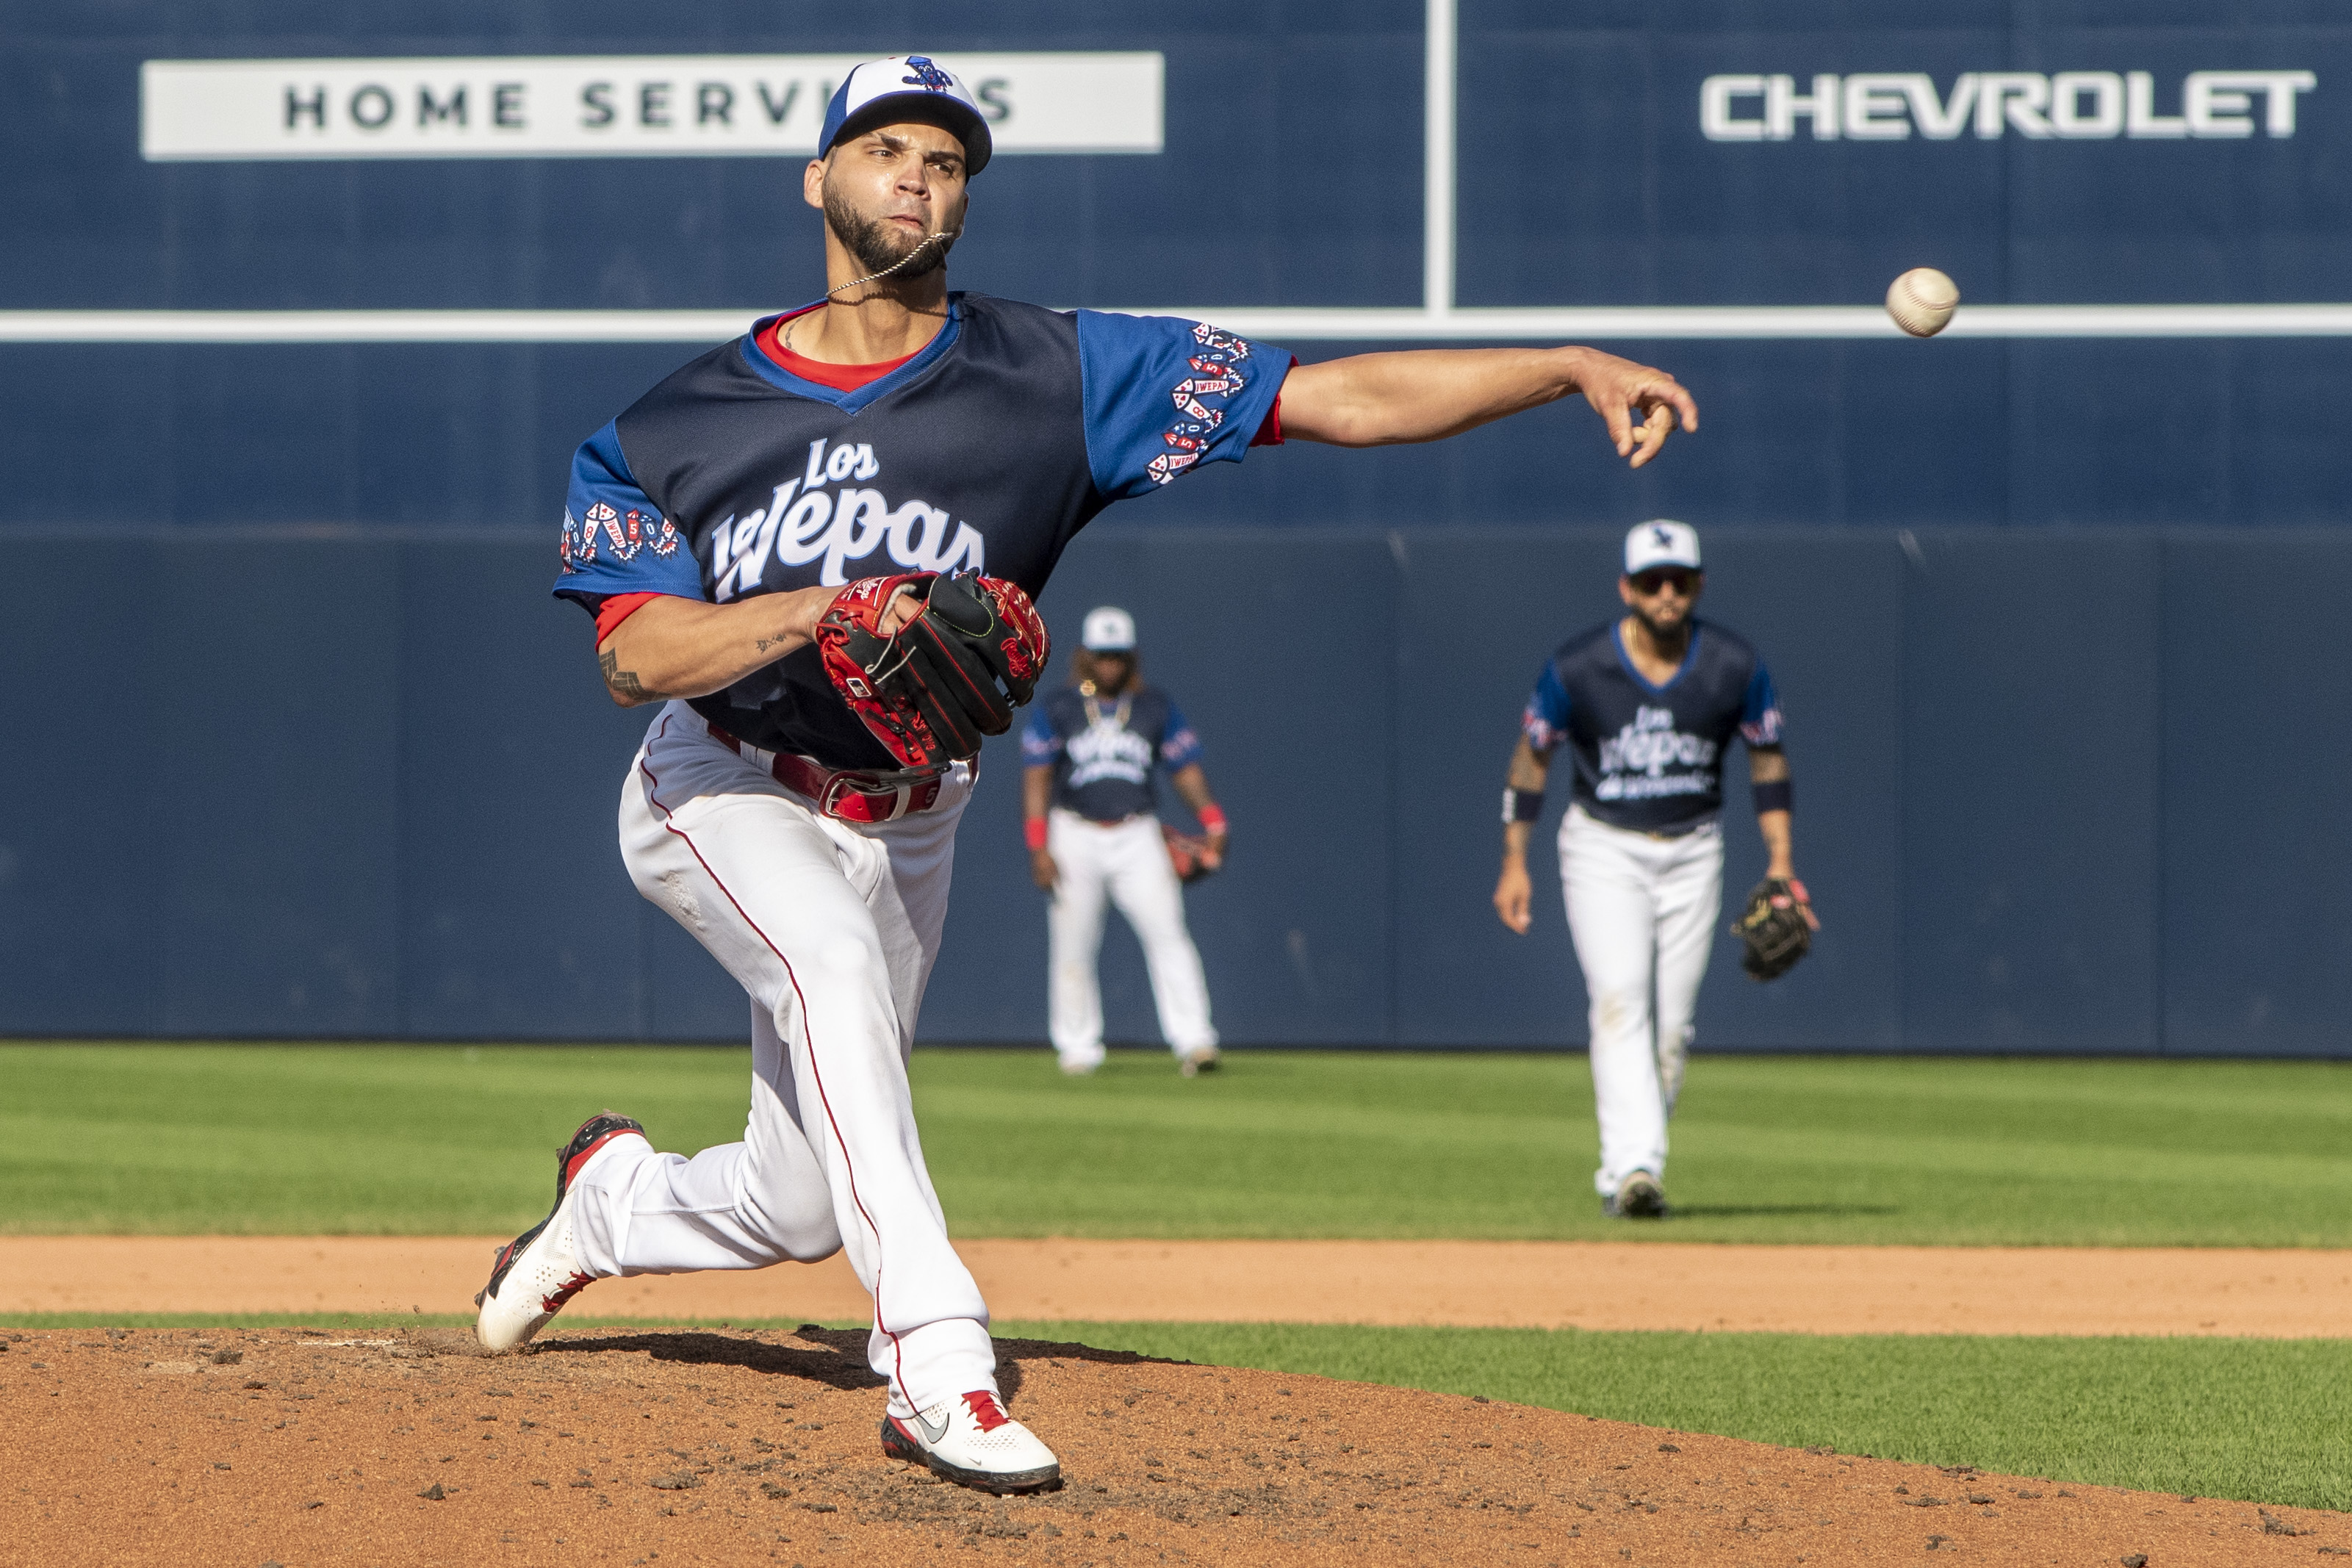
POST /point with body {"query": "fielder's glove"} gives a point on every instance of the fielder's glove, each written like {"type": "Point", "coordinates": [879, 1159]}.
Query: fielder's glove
{"type": "Point", "coordinates": [947, 679]}
{"type": "Point", "coordinates": [1188, 853]}
{"type": "Point", "coordinates": [1773, 930]}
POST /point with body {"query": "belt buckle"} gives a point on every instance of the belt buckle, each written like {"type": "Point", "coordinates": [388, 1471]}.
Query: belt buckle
{"type": "Point", "coordinates": [839, 787]}
{"type": "Point", "coordinates": [868, 789]}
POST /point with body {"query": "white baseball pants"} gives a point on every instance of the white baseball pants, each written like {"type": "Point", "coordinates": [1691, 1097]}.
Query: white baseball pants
{"type": "Point", "coordinates": [1125, 863]}
{"type": "Point", "coordinates": [831, 927]}
{"type": "Point", "coordinates": [1642, 913]}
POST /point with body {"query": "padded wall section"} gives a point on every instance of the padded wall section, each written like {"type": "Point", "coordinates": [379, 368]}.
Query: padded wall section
{"type": "Point", "coordinates": [516, 916]}
{"type": "Point", "coordinates": [84, 851]}
{"type": "Point", "coordinates": [275, 765]}
{"type": "Point", "coordinates": [2257, 867]}
{"type": "Point", "coordinates": [2057, 792]}
{"type": "Point", "coordinates": [2030, 792]}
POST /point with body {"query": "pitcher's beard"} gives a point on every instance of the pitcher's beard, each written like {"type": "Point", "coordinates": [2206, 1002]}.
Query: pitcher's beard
{"type": "Point", "coordinates": [1663, 634]}
{"type": "Point", "coordinates": [880, 246]}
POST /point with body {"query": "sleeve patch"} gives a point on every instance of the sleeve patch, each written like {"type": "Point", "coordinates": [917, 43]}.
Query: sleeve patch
{"type": "Point", "coordinates": [620, 534]}
{"type": "Point", "coordinates": [1202, 401]}
{"type": "Point", "coordinates": [1545, 719]}
{"type": "Point", "coordinates": [614, 539]}
{"type": "Point", "coordinates": [1759, 718]}
{"type": "Point", "coordinates": [1163, 396]}
{"type": "Point", "coordinates": [1040, 743]}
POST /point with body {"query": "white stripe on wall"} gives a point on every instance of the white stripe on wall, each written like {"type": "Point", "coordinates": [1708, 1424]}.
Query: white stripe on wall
{"type": "Point", "coordinates": [1281, 324]}
{"type": "Point", "coordinates": [1437, 80]}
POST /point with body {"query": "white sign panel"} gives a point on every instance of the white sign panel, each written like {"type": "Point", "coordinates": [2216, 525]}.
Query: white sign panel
{"type": "Point", "coordinates": [617, 106]}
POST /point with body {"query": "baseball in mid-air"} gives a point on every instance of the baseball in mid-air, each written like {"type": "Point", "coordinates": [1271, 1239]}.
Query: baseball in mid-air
{"type": "Point", "coordinates": [1922, 301]}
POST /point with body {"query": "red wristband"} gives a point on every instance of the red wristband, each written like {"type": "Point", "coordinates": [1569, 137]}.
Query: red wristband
{"type": "Point", "coordinates": [1033, 828]}
{"type": "Point", "coordinates": [1211, 817]}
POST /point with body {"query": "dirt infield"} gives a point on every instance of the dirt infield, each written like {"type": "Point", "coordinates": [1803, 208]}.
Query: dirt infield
{"type": "Point", "coordinates": [300, 1448]}
{"type": "Point", "coordinates": [1635, 1285]}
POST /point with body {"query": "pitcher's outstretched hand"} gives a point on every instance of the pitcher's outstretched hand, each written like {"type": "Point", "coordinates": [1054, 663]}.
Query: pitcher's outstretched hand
{"type": "Point", "coordinates": [1616, 387]}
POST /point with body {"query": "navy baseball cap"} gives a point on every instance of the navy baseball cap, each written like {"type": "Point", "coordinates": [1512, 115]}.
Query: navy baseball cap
{"type": "Point", "coordinates": [906, 87]}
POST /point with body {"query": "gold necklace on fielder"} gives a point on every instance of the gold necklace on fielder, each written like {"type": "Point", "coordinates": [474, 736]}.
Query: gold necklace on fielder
{"type": "Point", "coordinates": [1094, 707]}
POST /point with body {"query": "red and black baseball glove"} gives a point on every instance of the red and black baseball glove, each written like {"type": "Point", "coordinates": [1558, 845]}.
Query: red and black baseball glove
{"type": "Point", "coordinates": [947, 679]}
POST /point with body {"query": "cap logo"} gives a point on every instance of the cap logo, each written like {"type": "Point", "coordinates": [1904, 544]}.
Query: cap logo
{"type": "Point", "coordinates": [1662, 539]}
{"type": "Point", "coordinates": [927, 75]}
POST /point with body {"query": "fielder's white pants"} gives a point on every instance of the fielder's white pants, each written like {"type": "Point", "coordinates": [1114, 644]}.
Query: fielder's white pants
{"type": "Point", "coordinates": [1642, 911]}
{"type": "Point", "coordinates": [1124, 863]}
{"type": "Point", "coordinates": [831, 927]}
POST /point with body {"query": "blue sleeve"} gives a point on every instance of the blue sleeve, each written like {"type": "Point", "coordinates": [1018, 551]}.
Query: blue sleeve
{"type": "Point", "coordinates": [1163, 395]}
{"type": "Point", "coordinates": [1040, 745]}
{"type": "Point", "coordinates": [1545, 721]}
{"type": "Point", "coordinates": [1179, 747]}
{"type": "Point", "coordinates": [615, 541]}
{"type": "Point", "coordinates": [1760, 715]}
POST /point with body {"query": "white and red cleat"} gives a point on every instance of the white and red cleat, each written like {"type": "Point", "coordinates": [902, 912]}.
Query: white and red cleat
{"type": "Point", "coordinates": [535, 1274]}
{"type": "Point", "coordinates": [969, 1440]}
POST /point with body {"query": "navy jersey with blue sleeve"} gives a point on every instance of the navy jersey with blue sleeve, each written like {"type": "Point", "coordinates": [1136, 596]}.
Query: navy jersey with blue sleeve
{"type": "Point", "coordinates": [1103, 753]}
{"type": "Point", "coordinates": [1649, 758]}
{"type": "Point", "coordinates": [989, 449]}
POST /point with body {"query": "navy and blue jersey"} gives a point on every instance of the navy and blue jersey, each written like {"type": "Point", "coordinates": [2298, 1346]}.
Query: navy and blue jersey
{"type": "Point", "coordinates": [1103, 759]}
{"type": "Point", "coordinates": [988, 449]}
{"type": "Point", "coordinates": [1649, 758]}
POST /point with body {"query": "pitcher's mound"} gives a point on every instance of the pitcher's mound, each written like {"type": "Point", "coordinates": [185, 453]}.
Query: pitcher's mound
{"type": "Point", "coordinates": [297, 1447]}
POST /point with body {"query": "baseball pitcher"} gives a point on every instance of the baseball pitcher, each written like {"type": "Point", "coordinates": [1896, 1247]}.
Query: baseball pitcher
{"type": "Point", "coordinates": [1095, 835]}
{"type": "Point", "coordinates": [1648, 706]}
{"type": "Point", "coordinates": [815, 548]}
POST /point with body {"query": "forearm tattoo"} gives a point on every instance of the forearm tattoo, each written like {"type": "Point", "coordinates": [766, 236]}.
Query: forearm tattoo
{"type": "Point", "coordinates": [626, 682]}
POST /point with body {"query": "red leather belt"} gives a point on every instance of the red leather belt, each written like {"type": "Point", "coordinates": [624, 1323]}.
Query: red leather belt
{"type": "Point", "coordinates": [845, 793]}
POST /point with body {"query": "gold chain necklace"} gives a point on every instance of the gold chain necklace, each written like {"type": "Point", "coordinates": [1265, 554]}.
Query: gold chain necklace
{"type": "Point", "coordinates": [1093, 708]}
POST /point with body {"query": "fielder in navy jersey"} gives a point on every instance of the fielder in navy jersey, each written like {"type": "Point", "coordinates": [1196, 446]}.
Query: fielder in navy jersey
{"type": "Point", "coordinates": [1092, 749]}
{"type": "Point", "coordinates": [889, 424]}
{"type": "Point", "coordinates": [1648, 706]}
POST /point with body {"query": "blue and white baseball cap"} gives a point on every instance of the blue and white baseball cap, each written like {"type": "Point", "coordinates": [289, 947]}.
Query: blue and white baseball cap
{"type": "Point", "coordinates": [906, 87]}
{"type": "Point", "coordinates": [1108, 629]}
{"type": "Point", "coordinates": [1661, 542]}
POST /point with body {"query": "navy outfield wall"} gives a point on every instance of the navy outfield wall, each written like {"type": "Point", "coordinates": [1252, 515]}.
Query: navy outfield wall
{"type": "Point", "coordinates": [2058, 790]}
{"type": "Point", "coordinates": [1291, 174]}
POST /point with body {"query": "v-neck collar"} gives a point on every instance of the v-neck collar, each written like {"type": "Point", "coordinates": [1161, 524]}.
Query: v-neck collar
{"type": "Point", "coordinates": [1690, 652]}
{"type": "Point", "coordinates": [776, 376]}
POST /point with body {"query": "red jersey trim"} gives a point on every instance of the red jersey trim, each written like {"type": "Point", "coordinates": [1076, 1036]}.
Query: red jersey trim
{"type": "Point", "coordinates": [619, 608]}
{"type": "Point", "coordinates": [1270, 432]}
{"type": "Point", "coordinates": [840, 377]}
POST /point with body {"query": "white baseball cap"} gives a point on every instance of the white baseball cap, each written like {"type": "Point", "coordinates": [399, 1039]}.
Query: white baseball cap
{"type": "Point", "coordinates": [907, 86]}
{"type": "Point", "coordinates": [1108, 629]}
{"type": "Point", "coordinates": [1661, 542]}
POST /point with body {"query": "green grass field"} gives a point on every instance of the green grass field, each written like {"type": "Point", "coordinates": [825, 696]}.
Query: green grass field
{"type": "Point", "coordinates": [2260, 1420]}
{"type": "Point", "coordinates": [417, 1140]}
{"type": "Point", "coordinates": [420, 1141]}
